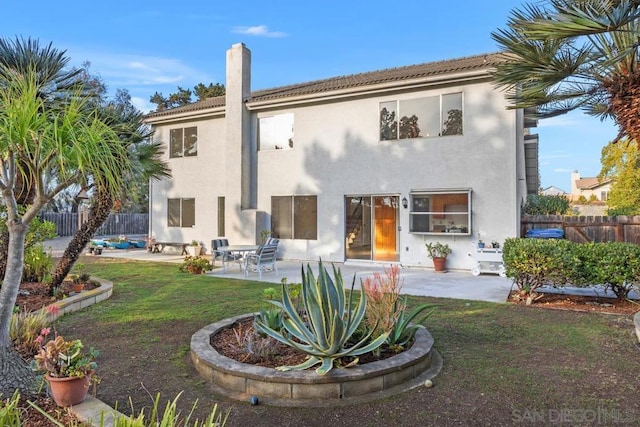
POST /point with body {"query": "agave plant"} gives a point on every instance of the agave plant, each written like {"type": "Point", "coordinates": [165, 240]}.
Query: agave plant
{"type": "Point", "coordinates": [403, 330]}
{"type": "Point", "coordinates": [331, 321]}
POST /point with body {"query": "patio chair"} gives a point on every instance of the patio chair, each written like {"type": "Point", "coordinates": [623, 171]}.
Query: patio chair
{"type": "Point", "coordinates": [223, 256]}
{"type": "Point", "coordinates": [264, 259]}
{"type": "Point", "coordinates": [272, 241]}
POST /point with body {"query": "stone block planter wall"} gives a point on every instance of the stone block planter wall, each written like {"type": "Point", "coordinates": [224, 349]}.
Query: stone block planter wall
{"type": "Point", "coordinates": [379, 379]}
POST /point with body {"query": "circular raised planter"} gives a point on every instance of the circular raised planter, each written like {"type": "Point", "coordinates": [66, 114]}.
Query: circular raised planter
{"type": "Point", "coordinates": [360, 383]}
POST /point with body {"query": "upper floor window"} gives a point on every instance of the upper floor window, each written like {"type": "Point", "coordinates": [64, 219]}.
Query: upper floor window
{"type": "Point", "coordinates": [294, 217]}
{"type": "Point", "coordinates": [183, 142]}
{"type": "Point", "coordinates": [440, 212]}
{"type": "Point", "coordinates": [421, 117]}
{"type": "Point", "coordinates": [275, 132]}
{"type": "Point", "coordinates": [181, 212]}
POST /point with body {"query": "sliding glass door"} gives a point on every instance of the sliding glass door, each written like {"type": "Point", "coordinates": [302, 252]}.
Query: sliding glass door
{"type": "Point", "coordinates": [371, 224]}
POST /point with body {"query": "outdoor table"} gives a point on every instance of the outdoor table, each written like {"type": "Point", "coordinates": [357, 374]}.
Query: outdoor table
{"type": "Point", "coordinates": [237, 249]}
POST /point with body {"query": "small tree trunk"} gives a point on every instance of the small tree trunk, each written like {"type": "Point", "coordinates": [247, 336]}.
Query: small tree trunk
{"type": "Point", "coordinates": [98, 213]}
{"type": "Point", "coordinates": [12, 279]}
{"type": "Point", "coordinates": [4, 252]}
{"type": "Point", "coordinates": [15, 374]}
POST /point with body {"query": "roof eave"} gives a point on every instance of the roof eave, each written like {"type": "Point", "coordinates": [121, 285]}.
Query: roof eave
{"type": "Point", "coordinates": [472, 76]}
{"type": "Point", "coordinates": [185, 115]}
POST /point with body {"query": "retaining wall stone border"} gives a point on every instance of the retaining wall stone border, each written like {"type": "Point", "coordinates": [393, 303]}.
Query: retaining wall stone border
{"type": "Point", "coordinates": [636, 322]}
{"type": "Point", "coordinates": [92, 410]}
{"type": "Point", "coordinates": [83, 299]}
{"type": "Point", "coordinates": [361, 383]}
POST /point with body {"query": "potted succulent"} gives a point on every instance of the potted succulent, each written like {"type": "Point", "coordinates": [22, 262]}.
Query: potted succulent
{"type": "Point", "coordinates": [79, 279]}
{"type": "Point", "coordinates": [438, 252]}
{"type": "Point", "coordinates": [195, 265]}
{"type": "Point", "coordinates": [69, 369]}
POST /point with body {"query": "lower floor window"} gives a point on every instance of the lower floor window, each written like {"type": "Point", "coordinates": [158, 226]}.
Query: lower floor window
{"type": "Point", "coordinates": [181, 212]}
{"type": "Point", "coordinates": [440, 212]}
{"type": "Point", "coordinates": [294, 217]}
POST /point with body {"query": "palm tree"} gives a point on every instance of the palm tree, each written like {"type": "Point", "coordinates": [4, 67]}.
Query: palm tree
{"type": "Point", "coordinates": [53, 79]}
{"type": "Point", "coordinates": [57, 144]}
{"type": "Point", "coordinates": [144, 157]}
{"type": "Point", "coordinates": [567, 55]}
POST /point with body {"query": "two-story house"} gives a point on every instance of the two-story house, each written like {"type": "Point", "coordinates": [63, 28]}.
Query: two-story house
{"type": "Point", "coordinates": [365, 167]}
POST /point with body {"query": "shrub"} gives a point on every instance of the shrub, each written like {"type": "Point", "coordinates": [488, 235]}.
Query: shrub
{"type": "Point", "coordinates": [624, 211]}
{"type": "Point", "coordinates": [539, 204]}
{"type": "Point", "coordinates": [37, 264]}
{"type": "Point", "coordinates": [533, 263]}
{"type": "Point", "coordinates": [195, 264]}
{"type": "Point", "coordinates": [615, 265]}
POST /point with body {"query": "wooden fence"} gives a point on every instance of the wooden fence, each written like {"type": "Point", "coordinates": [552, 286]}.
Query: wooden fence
{"type": "Point", "coordinates": [583, 229]}
{"type": "Point", "coordinates": [117, 223]}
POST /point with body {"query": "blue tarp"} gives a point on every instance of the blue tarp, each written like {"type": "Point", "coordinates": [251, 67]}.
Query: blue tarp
{"type": "Point", "coordinates": [545, 233]}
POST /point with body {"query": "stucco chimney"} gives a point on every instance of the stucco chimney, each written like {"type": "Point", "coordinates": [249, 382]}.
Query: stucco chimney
{"type": "Point", "coordinates": [575, 175]}
{"type": "Point", "coordinates": [237, 124]}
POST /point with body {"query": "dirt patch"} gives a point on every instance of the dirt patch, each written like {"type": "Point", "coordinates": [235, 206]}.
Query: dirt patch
{"type": "Point", "coordinates": [33, 296]}
{"type": "Point", "coordinates": [32, 418]}
{"type": "Point", "coordinates": [242, 344]}
{"type": "Point", "coordinates": [579, 303]}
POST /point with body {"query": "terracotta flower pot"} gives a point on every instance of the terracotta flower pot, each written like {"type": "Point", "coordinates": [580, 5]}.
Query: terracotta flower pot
{"type": "Point", "coordinates": [439, 264]}
{"type": "Point", "coordinates": [77, 287]}
{"type": "Point", "coordinates": [69, 390]}
{"type": "Point", "coordinates": [195, 270]}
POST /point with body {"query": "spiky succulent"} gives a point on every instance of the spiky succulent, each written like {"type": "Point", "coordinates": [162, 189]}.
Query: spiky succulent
{"type": "Point", "coordinates": [329, 323]}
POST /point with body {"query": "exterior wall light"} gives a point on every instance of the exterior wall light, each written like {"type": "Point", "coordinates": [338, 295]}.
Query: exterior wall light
{"type": "Point", "coordinates": [405, 203]}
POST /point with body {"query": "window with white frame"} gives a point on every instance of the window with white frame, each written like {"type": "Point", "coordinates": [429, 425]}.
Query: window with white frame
{"type": "Point", "coordinates": [183, 142]}
{"type": "Point", "coordinates": [441, 211]}
{"type": "Point", "coordinates": [181, 212]}
{"type": "Point", "coordinates": [275, 132]}
{"type": "Point", "coordinates": [294, 217]}
{"type": "Point", "coordinates": [427, 117]}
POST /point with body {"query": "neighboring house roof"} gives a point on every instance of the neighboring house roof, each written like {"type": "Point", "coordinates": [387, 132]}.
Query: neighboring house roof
{"type": "Point", "coordinates": [590, 183]}
{"type": "Point", "coordinates": [553, 191]}
{"type": "Point", "coordinates": [353, 81]}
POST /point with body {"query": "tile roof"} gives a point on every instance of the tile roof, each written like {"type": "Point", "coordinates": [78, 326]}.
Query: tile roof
{"type": "Point", "coordinates": [589, 183]}
{"type": "Point", "coordinates": [353, 81]}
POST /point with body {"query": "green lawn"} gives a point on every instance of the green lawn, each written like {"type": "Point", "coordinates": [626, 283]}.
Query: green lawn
{"type": "Point", "coordinates": [503, 364]}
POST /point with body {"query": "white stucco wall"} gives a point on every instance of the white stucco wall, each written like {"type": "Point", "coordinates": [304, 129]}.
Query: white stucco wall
{"type": "Point", "coordinates": [337, 152]}
{"type": "Point", "coordinates": [201, 177]}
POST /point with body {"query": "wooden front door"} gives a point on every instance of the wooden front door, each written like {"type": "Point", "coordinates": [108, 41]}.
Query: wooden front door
{"type": "Point", "coordinates": [385, 228]}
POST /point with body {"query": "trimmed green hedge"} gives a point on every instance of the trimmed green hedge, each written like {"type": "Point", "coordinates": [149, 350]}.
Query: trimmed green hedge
{"type": "Point", "coordinates": [533, 263]}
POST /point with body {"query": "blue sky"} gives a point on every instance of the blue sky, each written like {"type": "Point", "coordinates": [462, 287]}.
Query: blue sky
{"type": "Point", "coordinates": [149, 46]}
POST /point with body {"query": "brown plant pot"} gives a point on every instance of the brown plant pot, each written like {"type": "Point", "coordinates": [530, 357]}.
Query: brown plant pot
{"type": "Point", "coordinates": [195, 270]}
{"type": "Point", "coordinates": [77, 287]}
{"type": "Point", "coordinates": [69, 390]}
{"type": "Point", "coordinates": [439, 264]}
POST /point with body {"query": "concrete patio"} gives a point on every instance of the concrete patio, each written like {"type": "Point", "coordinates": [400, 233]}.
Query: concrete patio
{"type": "Point", "coordinates": [417, 281]}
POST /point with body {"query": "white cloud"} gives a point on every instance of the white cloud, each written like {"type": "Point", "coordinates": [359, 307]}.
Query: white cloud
{"type": "Point", "coordinates": [143, 105]}
{"type": "Point", "coordinates": [259, 31]}
{"type": "Point", "coordinates": [126, 70]}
